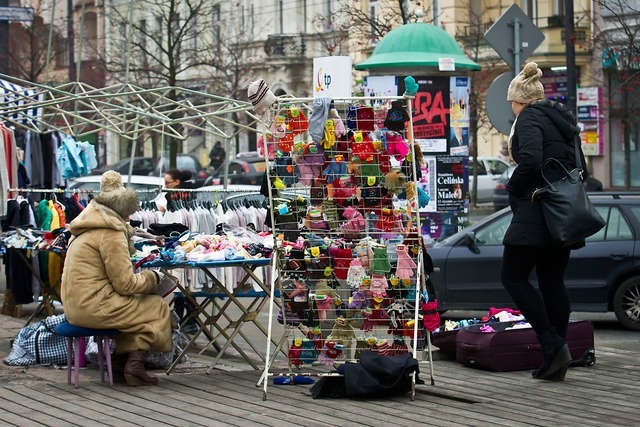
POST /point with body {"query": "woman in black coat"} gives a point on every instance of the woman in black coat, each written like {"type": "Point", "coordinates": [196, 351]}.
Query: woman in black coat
{"type": "Point", "coordinates": [543, 129]}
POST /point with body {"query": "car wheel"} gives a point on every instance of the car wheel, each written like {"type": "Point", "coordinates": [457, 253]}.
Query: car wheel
{"type": "Point", "coordinates": [626, 303]}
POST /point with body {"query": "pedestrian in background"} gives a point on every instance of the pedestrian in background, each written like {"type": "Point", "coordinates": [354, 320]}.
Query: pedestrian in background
{"type": "Point", "coordinates": [217, 155]}
{"type": "Point", "coordinates": [543, 129]}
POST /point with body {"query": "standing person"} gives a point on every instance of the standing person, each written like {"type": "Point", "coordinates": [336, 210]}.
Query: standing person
{"type": "Point", "coordinates": [543, 129]}
{"type": "Point", "coordinates": [175, 179]}
{"type": "Point", "coordinates": [217, 155]}
{"type": "Point", "coordinates": [100, 289]}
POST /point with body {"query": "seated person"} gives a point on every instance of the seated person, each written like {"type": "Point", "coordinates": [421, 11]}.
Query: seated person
{"type": "Point", "coordinates": [100, 289]}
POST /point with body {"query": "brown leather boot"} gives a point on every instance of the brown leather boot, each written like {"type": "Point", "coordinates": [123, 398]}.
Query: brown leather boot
{"type": "Point", "coordinates": [134, 373]}
{"type": "Point", "coordinates": [117, 367]}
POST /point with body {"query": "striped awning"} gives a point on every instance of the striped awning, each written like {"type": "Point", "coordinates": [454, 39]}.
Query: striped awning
{"type": "Point", "coordinates": [18, 104]}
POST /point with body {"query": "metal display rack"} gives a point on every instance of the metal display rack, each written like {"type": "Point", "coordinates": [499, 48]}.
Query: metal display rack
{"type": "Point", "coordinates": [348, 261]}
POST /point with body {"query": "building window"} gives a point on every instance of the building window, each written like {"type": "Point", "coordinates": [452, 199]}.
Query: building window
{"type": "Point", "coordinates": [215, 25]}
{"type": "Point", "coordinates": [530, 7]}
{"type": "Point", "coordinates": [373, 17]}
{"type": "Point", "coordinates": [558, 7]}
{"type": "Point", "coordinates": [142, 34]}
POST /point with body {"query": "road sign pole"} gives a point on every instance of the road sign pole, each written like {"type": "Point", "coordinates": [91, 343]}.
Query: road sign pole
{"type": "Point", "coordinates": [516, 47]}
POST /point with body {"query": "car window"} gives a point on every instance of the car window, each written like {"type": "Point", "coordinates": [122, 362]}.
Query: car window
{"type": "Point", "coordinates": [497, 167]}
{"type": "Point", "coordinates": [493, 233]}
{"type": "Point", "coordinates": [186, 162]}
{"type": "Point", "coordinates": [478, 167]}
{"type": "Point", "coordinates": [617, 227]}
{"type": "Point", "coordinates": [143, 164]}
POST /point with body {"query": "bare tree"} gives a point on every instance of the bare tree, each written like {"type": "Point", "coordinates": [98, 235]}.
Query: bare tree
{"type": "Point", "coordinates": [618, 39]}
{"type": "Point", "coordinates": [475, 47]}
{"type": "Point", "coordinates": [165, 44]}
{"type": "Point", "coordinates": [28, 45]}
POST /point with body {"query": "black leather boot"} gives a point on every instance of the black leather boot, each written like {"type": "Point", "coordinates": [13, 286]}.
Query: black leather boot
{"type": "Point", "coordinates": [556, 358]}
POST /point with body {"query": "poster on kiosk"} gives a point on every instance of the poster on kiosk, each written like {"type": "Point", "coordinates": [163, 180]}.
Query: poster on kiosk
{"type": "Point", "coordinates": [332, 77]}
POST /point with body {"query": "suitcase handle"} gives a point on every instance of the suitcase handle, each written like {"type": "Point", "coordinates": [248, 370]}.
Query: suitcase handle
{"type": "Point", "coordinates": [534, 347]}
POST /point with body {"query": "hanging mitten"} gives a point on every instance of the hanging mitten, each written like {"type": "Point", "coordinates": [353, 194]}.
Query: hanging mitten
{"type": "Point", "coordinates": [396, 117]}
{"type": "Point", "coordinates": [379, 285]}
{"type": "Point", "coordinates": [352, 228]}
{"type": "Point", "coordinates": [319, 112]}
{"type": "Point", "coordinates": [338, 125]}
{"type": "Point", "coordinates": [355, 274]}
{"type": "Point", "coordinates": [342, 262]}
{"type": "Point", "coordinates": [330, 212]}
{"type": "Point", "coordinates": [335, 169]}
{"type": "Point", "coordinates": [365, 254]}
{"type": "Point", "coordinates": [380, 263]}
{"type": "Point", "coordinates": [370, 174]}
{"type": "Point", "coordinates": [365, 118]}
{"type": "Point", "coordinates": [396, 145]}
{"type": "Point", "coordinates": [295, 352]}
{"type": "Point", "coordinates": [405, 265]}
{"type": "Point", "coordinates": [329, 136]}
{"type": "Point", "coordinates": [410, 86]}
{"type": "Point", "coordinates": [394, 181]}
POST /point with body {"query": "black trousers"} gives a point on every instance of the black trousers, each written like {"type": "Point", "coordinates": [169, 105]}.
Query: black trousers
{"type": "Point", "coordinates": [548, 309]}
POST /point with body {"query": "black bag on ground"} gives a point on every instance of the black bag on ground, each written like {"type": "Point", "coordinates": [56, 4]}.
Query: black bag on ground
{"type": "Point", "coordinates": [568, 212]}
{"type": "Point", "coordinates": [374, 376]}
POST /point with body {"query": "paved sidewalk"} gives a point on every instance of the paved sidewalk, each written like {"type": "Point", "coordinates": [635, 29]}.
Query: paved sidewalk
{"type": "Point", "coordinates": [604, 394]}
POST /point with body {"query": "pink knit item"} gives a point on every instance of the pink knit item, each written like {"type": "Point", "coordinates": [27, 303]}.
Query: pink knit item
{"type": "Point", "coordinates": [405, 265]}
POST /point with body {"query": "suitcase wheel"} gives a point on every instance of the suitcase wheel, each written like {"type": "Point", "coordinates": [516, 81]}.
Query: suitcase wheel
{"type": "Point", "coordinates": [588, 358]}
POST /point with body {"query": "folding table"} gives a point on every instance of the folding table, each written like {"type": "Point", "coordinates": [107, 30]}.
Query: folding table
{"type": "Point", "coordinates": [226, 328]}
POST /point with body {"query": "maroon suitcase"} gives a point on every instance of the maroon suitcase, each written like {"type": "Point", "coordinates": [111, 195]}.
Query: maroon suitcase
{"type": "Point", "coordinates": [518, 349]}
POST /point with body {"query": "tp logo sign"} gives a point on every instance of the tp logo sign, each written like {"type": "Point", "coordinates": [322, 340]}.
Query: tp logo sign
{"type": "Point", "coordinates": [332, 77]}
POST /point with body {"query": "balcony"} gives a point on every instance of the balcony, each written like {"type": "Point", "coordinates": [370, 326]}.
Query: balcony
{"type": "Point", "coordinates": [284, 45]}
{"type": "Point", "coordinates": [555, 21]}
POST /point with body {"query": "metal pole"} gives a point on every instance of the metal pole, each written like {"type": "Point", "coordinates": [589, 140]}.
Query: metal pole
{"type": "Point", "coordinates": [4, 42]}
{"type": "Point", "coordinates": [53, 14]}
{"type": "Point", "coordinates": [569, 40]}
{"type": "Point", "coordinates": [70, 41]}
{"type": "Point", "coordinates": [516, 47]}
{"type": "Point", "coordinates": [80, 46]}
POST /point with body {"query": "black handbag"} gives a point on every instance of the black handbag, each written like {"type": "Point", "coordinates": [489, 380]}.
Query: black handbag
{"type": "Point", "coordinates": [568, 212]}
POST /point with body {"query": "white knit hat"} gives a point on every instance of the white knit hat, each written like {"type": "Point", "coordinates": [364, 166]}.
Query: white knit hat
{"type": "Point", "coordinates": [526, 86]}
{"type": "Point", "coordinates": [260, 96]}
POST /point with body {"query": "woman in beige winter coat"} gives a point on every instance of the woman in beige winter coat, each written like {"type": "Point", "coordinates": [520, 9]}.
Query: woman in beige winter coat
{"type": "Point", "coordinates": [99, 287]}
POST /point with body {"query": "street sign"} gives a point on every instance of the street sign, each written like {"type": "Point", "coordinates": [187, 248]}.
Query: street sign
{"type": "Point", "coordinates": [498, 108]}
{"type": "Point", "coordinates": [502, 37]}
{"type": "Point", "coordinates": [11, 13]}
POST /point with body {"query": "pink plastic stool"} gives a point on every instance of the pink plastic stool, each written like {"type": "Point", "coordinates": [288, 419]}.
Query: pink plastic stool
{"type": "Point", "coordinates": [76, 338]}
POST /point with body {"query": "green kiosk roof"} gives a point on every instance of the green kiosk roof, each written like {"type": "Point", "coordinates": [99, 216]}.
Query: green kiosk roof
{"type": "Point", "coordinates": [416, 45]}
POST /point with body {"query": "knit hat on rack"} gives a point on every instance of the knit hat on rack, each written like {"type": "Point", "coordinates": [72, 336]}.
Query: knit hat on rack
{"type": "Point", "coordinates": [114, 195]}
{"type": "Point", "coordinates": [526, 86]}
{"type": "Point", "coordinates": [260, 96]}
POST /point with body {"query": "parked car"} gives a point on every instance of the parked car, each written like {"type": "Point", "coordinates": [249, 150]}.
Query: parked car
{"type": "Point", "coordinates": [146, 166]}
{"type": "Point", "coordinates": [183, 162]}
{"type": "Point", "coordinates": [501, 195]}
{"type": "Point", "coordinates": [138, 182]}
{"type": "Point", "coordinates": [246, 169]}
{"type": "Point", "coordinates": [141, 166]}
{"type": "Point", "coordinates": [603, 276]}
{"type": "Point", "coordinates": [488, 171]}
